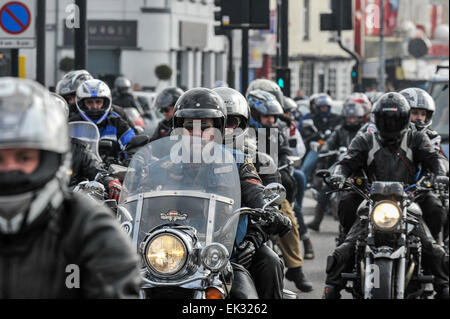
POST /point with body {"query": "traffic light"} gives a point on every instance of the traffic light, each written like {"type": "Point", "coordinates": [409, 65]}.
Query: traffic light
{"type": "Point", "coordinates": [355, 77]}
{"type": "Point", "coordinates": [341, 17]}
{"type": "Point", "coordinates": [284, 80]}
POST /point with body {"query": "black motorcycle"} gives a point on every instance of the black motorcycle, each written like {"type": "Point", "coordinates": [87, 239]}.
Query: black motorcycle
{"type": "Point", "coordinates": [388, 256]}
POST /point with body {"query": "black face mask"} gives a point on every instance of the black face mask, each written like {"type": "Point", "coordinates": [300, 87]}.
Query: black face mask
{"type": "Point", "coordinates": [17, 182]}
{"type": "Point", "coordinates": [13, 181]}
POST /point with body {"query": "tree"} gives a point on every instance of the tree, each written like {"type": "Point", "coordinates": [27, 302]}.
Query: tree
{"type": "Point", "coordinates": [66, 64]}
{"type": "Point", "coordinates": [163, 72]}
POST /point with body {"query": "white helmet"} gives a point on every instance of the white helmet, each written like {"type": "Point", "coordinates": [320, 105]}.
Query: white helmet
{"type": "Point", "coordinates": [93, 89]}
{"type": "Point", "coordinates": [30, 118]}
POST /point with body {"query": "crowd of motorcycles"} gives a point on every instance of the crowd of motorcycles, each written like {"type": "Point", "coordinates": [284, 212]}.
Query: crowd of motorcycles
{"type": "Point", "coordinates": [198, 265]}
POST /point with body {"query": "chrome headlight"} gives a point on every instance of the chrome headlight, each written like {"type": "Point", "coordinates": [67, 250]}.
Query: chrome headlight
{"type": "Point", "coordinates": [214, 256]}
{"type": "Point", "coordinates": [166, 254]}
{"type": "Point", "coordinates": [386, 215]}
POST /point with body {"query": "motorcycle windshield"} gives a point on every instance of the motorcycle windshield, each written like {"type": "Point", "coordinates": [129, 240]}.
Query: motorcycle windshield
{"type": "Point", "coordinates": [87, 132]}
{"type": "Point", "coordinates": [175, 180]}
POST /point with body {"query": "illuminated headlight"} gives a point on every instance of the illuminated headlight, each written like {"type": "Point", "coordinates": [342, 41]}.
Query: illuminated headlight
{"type": "Point", "coordinates": [166, 254]}
{"type": "Point", "coordinates": [214, 256]}
{"type": "Point", "coordinates": [386, 215]}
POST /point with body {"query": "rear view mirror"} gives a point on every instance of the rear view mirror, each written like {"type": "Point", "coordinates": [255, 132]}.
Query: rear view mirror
{"type": "Point", "coordinates": [274, 194]}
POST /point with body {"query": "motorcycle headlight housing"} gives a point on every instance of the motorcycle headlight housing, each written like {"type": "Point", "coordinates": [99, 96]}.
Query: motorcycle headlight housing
{"type": "Point", "coordinates": [214, 256]}
{"type": "Point", "coordinates": [386, 215]}
{"type": "Point", "coordinates": [166, 254]}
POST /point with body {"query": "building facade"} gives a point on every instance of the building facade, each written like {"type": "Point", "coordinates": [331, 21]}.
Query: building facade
{"type": "Point", "coordinates": [131, 38]}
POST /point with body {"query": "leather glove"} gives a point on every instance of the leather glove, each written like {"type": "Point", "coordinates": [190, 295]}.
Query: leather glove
{"type": "Point", "coordinates": [247, 251]}
{"type": "Point", "coordinates": [278, 224]}
{"type": "Point", "coordinates": [336, 181]}
{"type": "Point", "coordinates": [441, 182]}
{"type": "Point", "coordinates": [114, 188]}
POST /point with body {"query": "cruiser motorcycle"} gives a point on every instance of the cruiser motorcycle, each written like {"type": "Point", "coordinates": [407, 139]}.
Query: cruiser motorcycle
{"type": "Point", "coordinates": [182, 214]}
{"type": "Point", "coordinates": [388, 255]}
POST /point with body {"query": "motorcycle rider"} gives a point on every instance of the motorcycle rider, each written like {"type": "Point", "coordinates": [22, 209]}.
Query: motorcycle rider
{"type": "Point", "coordinates": [314, 127]}
{"type": "Point", "coordinates": [353, 115]}
{"type": "Point", "coordinates": [164, 102]}
{"type": "Point", "coordinates": [122, 94]}
{"type": "Point", "coordinates": [85, 164]}
{"type": "Point", "coordinates": [298, 149]}
{"type": "Point", "coordinates": [67, 88]}
{"type": "Point", "coordinates": [422, 110]}
{"type": "Point", "coordinates": [93, 99]}
{"type": "Point", "coordinates": [265, 109]}
{"type": "Point", "coordinates": [391, 154]}
{"type": "Point", "coordinates": [68, 85]}
{"type": "Point", "coordinates": [206, 106]}
{"type": "Point", "coordinates": [53, 243]}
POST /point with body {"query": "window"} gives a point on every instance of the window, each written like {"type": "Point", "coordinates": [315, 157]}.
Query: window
{"type": "Point", "coordinates": [306, 13]}
{"type": "Point", "coordinates": [332, 85]}
{"type": "Point", "coordinates": [306, 78]}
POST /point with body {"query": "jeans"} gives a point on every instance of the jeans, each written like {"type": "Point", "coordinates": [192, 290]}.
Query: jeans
{"type": "Point", "coordinates": [301, 187]}
{"type": "Point", "coordinates": [309, 163]}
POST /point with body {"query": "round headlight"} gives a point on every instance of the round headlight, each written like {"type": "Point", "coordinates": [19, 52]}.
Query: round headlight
{"type": "Point", "coordinates": [214, 256]}
{"type": "Point", "coordinates": [166, 254]}
{"type": "Point", "coordinates": [386, 215]}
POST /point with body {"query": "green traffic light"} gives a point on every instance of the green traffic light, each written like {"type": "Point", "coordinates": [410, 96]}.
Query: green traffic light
{"type": "Point", "coordinates": [353, 74]}
{"type": "Point", "coordinates": [281, 83]}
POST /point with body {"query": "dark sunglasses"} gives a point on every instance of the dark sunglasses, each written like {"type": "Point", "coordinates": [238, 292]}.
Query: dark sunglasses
{"type": "Point", "coordinates": [165, 109]}
{"type": "Point", "coordinates": [190, 126]}
{"type": "Point", "coordinates": [233, 122]}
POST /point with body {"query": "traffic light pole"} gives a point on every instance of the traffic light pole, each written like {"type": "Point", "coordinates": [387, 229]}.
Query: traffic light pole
{"type": "Point", "coordinates": [40, 47]}
{"type": "Point", "coordinates": [357, 87]}
{"type": "Point", "coordinates": [81, 41]}
{"type": "Point", "coordinates": [230, 71]}
{"type": "Point", "coordinates": [284, 28]}
{"type": "Point", "coordinates": [244, 67]}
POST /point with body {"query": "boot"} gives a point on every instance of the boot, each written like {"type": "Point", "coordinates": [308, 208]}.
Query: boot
{"type": "Point", "coordinates": [318, 216]}
{"type": "Point", "coordinates": [309, 250]}
{"type": "Point", "coordinates": [298, 277]}
{"type": "Point", "coordinates": [331, 292]}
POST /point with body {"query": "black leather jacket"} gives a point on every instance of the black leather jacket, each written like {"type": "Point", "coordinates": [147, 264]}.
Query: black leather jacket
{"type": "Point", "coordinates": [340, 137]}
{"type": "Point", "coordinates": [164, 128]}
{"type": "Point", "coordinates": [386, 163]}
{"type": "Point", "coordinates": [42, 261]}
{"type": "Point", "coordinates": [84, 163]}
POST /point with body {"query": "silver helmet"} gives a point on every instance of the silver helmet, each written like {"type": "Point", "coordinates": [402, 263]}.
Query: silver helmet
{"type": "Point", "coordinates": [420, 99]}
{"type": "Point", "coordinates": [30, 119]}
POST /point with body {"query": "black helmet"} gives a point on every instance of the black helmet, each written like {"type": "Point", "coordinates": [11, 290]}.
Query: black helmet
{"type": "Point", "coordinates": [168, 97]}
{"type": "Point", "coordinates": [289, 105]}
{"type": "Point", "coordinates": [122, 85]}
{"type": "Point", "coordinates": [420, 99]}
{"type": "Point", "coordinates": [392, 115]}
{"type": "Point", "coordinates": [263, 103]}
{"type": "Point", "coordinates": [71, 81]}
{"type": "Point", "coordinates": [351, 108]}
{"type": "Point", "coordinates": [200, 103]}
{"type": "Point", "coordinates": [268, 86]}
{"type": "Point", "coordinates": [323, 100]}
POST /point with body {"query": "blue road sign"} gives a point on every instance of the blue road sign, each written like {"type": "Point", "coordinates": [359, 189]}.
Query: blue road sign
{"type": "Point", "coordinates": [15, 17]}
